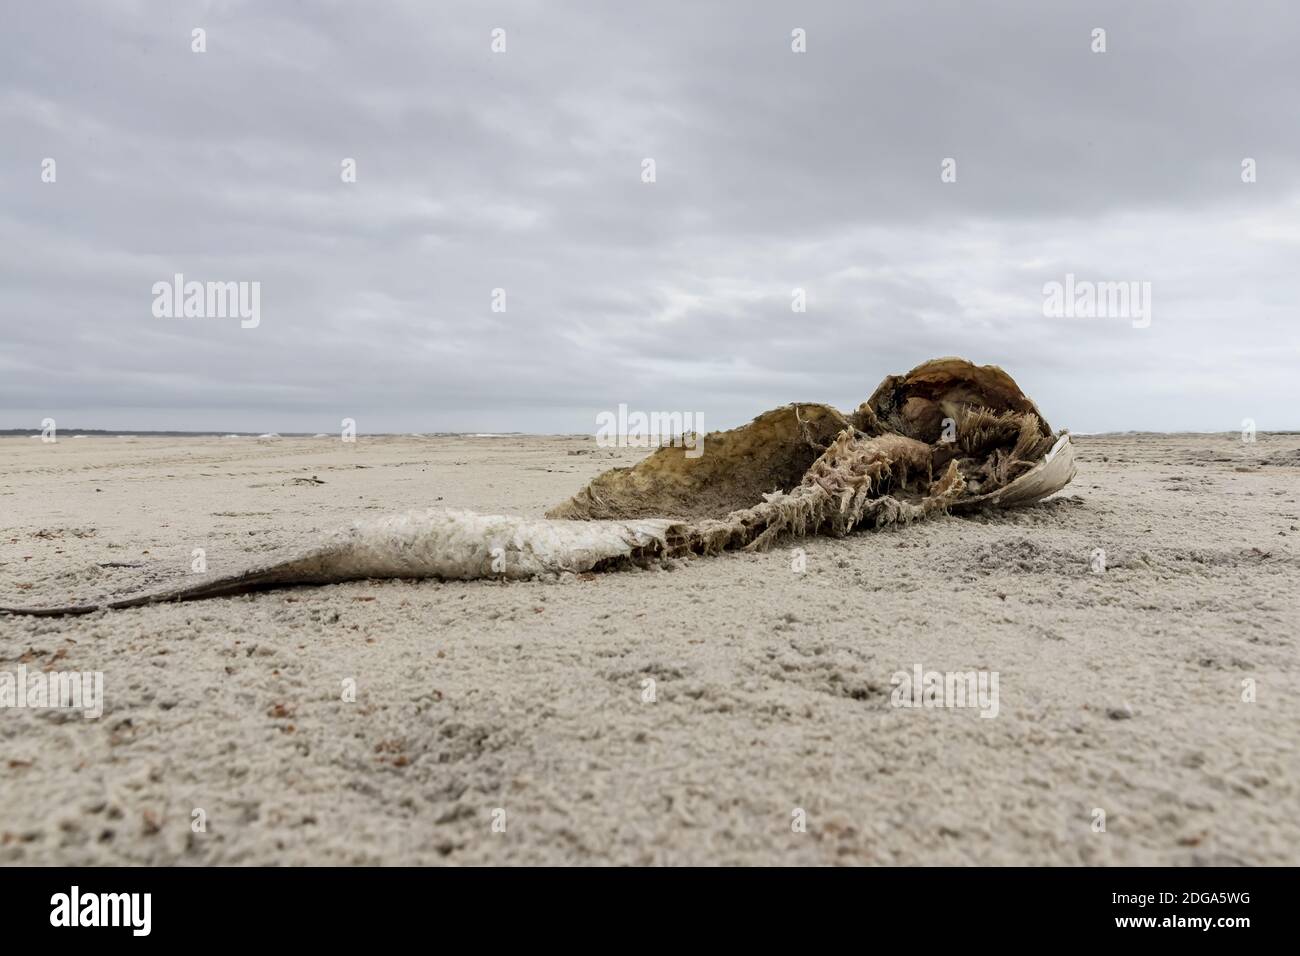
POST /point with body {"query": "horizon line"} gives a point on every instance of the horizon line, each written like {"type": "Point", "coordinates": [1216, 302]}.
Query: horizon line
{"type": "Point", "coordinates": [216, 433]}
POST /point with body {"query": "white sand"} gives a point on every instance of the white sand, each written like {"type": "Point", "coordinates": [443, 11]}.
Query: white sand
{"type": "Point", "coordinates": [773, 687]}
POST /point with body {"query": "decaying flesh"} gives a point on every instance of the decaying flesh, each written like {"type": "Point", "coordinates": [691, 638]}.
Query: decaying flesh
{"type": "Point", "coordinates": [948, 436]}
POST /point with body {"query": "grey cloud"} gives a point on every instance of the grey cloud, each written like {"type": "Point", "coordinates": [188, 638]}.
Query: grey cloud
{"type": "Point", "coordinates": [521, 171]}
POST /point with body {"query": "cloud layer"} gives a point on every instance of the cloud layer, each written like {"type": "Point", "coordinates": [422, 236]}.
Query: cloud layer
{"type": "Point", "coordinates": [522, 171]}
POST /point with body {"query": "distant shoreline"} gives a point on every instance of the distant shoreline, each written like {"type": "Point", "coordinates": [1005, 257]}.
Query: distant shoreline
{"type": "Point", "coordinates": [128, 433]}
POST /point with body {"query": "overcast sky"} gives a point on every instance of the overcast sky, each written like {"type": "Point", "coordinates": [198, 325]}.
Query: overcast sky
{"type": "Point", "coordinates": [523, 171]}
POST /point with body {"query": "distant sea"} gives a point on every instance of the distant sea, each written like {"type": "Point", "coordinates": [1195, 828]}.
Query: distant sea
{"type": "Point", "coordinates": [127, 433]}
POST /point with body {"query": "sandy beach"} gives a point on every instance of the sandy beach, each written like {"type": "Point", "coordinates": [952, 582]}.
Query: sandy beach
{"type": "Point", "coordinates": [1160, 691]}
